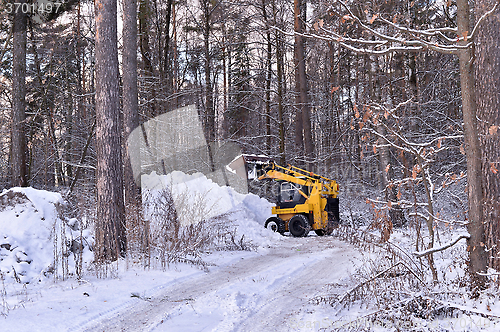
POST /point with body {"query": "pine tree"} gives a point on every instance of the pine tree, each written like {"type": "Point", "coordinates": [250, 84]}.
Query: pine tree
{"type": "Point", "coordinates": [110, 223]}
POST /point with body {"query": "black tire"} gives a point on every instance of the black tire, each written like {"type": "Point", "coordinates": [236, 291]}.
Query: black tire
{"type": "Point", "coordinates": [299, 226]}
{"type": "Point", "coordinates": [275, 224]}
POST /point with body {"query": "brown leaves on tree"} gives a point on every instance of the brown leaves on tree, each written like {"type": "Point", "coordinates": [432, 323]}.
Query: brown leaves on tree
{"type": "Point", "coordinates": [345, 18]}
{"type": "Point", "coordinates": [465, 35]}
{"type": "Point", "coordinates": [415, 171]}
{"type": "Point", "coordinates": [382, 222]}
{"type": "Point", "coordinates": [318, 25]}
{"type": "Point", "coordinates": [367, 115]}
{"type": "Point", "coordinates": [493, 130]}
{"type": "Point", "coordinates": [493, 169]}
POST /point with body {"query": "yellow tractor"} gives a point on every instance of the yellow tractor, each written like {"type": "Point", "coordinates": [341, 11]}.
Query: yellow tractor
{"type": "Point", "coordinates": [306, 201]}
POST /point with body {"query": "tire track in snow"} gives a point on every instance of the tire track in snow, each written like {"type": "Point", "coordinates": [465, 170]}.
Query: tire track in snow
{"type": "Point", "coordinates": [257, 293]}
{"type": "Point", "coordinates": [292, 297]}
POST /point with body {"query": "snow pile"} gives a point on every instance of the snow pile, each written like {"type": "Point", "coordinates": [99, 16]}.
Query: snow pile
{"type": "Point", "coordinates": [197, 198]}
{"type": "Point", "coordinates": [32, 235]}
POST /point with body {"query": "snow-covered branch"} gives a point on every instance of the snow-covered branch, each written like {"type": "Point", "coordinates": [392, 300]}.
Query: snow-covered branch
{"type": "Point", "coordinates": [405, 39]}
{"type": "Point", "coordinates": [429, 251]}
{"type": "Point", "coordinates": [482, 18]}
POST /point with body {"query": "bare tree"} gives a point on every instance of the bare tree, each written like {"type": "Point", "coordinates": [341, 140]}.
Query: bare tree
{"type": "Point", "coordinates": [133, 201]}
{"type": "Point", "coordinates": [18, 134]}
{"type": "Point", "coordinates": [475, 226]}
{"type": "Point", "coordinates": [110, 225]}
{"type": "Point", "coordinates": [400, 38]}
{"type": "Point", "coordinates": [303, 135]}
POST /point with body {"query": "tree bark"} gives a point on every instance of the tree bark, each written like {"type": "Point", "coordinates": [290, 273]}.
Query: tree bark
{"type": "Point", "coordinates": [18, 134]}
{"type": "Point", "coordinates": [209, 115]}
{"type": "Point", "coordinates": [303, 124]}
{"type": "Point", "coordinates": [144, 27]}
{"type": "Point", "coordinates": [477, 255]}
{"type": "Point", "coordinates": [269, 73]}
{"type": "Point", "coordinates": [488, 101]}
{"type": "Point", "coordinates": [110, 223]}
{"type": "Point", "coordinates": [280, 77]}
{"type": "Point", "coordinates": [166, 49]}
{"type": "Point", "coordinates": [133, 199]}
{"type": "Point", "coordinates": [209, 107]}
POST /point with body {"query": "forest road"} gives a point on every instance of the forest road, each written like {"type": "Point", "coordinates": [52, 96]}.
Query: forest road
{"type": "Point", "coordinates": [265, 292]}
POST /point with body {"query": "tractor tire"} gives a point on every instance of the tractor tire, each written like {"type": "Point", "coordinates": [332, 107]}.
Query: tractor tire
{"type": "Point", "coordinates": [299, 226]}
{"type": "Point", "coordinates": [275, 224]}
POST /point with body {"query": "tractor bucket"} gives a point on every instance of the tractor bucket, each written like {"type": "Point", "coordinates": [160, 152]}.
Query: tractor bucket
{"type": "Point", "coordinates": [249, 166]}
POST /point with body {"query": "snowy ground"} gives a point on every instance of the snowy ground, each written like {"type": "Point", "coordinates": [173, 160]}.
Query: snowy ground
{"type": "Point", "coordinates": [263, 290]}
{"type": "Point", "coordinates": [268, 288]}
{"type": "Point", "coordinates": [284, 284]}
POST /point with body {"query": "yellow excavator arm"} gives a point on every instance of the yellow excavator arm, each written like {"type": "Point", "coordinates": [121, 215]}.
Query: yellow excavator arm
{"type": "Point", "coordinates": [299, 176]}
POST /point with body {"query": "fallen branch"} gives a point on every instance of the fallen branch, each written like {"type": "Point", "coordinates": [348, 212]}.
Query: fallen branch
{"type": "Point", "coordinates": [464, 309]}
{"type": "Point", "coordinates": [429, 251]}
{"type": "Point", "coordinates": [378, 275]}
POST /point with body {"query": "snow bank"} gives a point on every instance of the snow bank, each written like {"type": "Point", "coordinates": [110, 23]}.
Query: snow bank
{"type": "Point", "coordinates": [30, 226]}
{"type": "Point", "coordinates": [35, 241]}
{"type": "Point", "coordinates": [197, 197]}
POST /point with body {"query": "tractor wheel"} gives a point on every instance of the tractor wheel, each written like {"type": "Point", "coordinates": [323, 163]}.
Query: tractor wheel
{"type": "Point", "coordinates": [299, 226]}
{"type": "Point", "coordinates": [275, 224]}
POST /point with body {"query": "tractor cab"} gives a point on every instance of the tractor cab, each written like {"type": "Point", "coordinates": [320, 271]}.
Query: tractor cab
{"type": "Point", "coordinates": [290, 194]}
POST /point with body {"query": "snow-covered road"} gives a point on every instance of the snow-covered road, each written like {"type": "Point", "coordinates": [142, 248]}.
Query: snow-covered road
{"type": "Point", "coordinates": [266, 291]}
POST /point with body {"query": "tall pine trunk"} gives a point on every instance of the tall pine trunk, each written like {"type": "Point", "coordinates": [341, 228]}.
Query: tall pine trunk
{"type": "Point", "coordinates": [280, 44]}
{"type": "Point", "coordinates": [488, 101]}
{"type": "Point", "coordinates": [209, 116]}
{"type": "Point", "coordinates": [269, 73]}
{"type": "Point", "coordinates": [303, 132]}
{"type": "Point", "coordinates": [18, 134]}
{"type": "Point", "coordinates": [136, 230]}
{"type": "Point", "coordinates": [110, 223]}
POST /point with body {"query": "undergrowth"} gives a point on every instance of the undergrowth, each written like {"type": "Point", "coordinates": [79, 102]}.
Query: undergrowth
{"type": "Point", "coordinates": [392, 291]}
{"type": "Point", "coordinates": [184, 227]}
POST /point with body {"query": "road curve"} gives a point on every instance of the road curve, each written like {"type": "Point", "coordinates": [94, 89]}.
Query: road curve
{"type": "Point", "coordinates": [261, 293]}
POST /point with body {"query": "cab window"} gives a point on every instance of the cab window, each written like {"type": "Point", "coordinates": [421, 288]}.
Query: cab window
{"type": "Point", "coordinates": [290, 192]}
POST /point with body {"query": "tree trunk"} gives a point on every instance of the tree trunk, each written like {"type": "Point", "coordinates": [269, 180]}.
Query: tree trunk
{"type": "Point", "coordinates": [110, 225]}
{"type": "Point", "coordinates": [144, 27]}
{"type": "Point", "coordinates": [303, 124]}
{"type": "Point", "coordinates": [269, 73]}
{"type": "Point", "coordinates": [209, 107]}
{"type": "Point", "coordinates": [488, 101]}
{"type": "Point", "coordinates": [18, 135]}
{"type": "Point", "coordinates": [167, 68]}
{"type": "Point", "coordinates": [279, 71]}
{"type": "Point", "coordinates": [209, 116]}
{"type": "Point", "coordinates": [136, 230]}
{"type": "Point", "coordinates": [477, 255]}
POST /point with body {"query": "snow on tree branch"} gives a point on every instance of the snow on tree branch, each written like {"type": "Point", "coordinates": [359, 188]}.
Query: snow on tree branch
{"type": "Point", "coordinates": [404, 39]}
{"type": "Point", "coordinates": [419, 254]}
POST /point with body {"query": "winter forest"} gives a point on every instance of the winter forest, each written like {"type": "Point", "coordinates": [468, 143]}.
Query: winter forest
{"type": "Point", "coordinates": [397, 101]}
